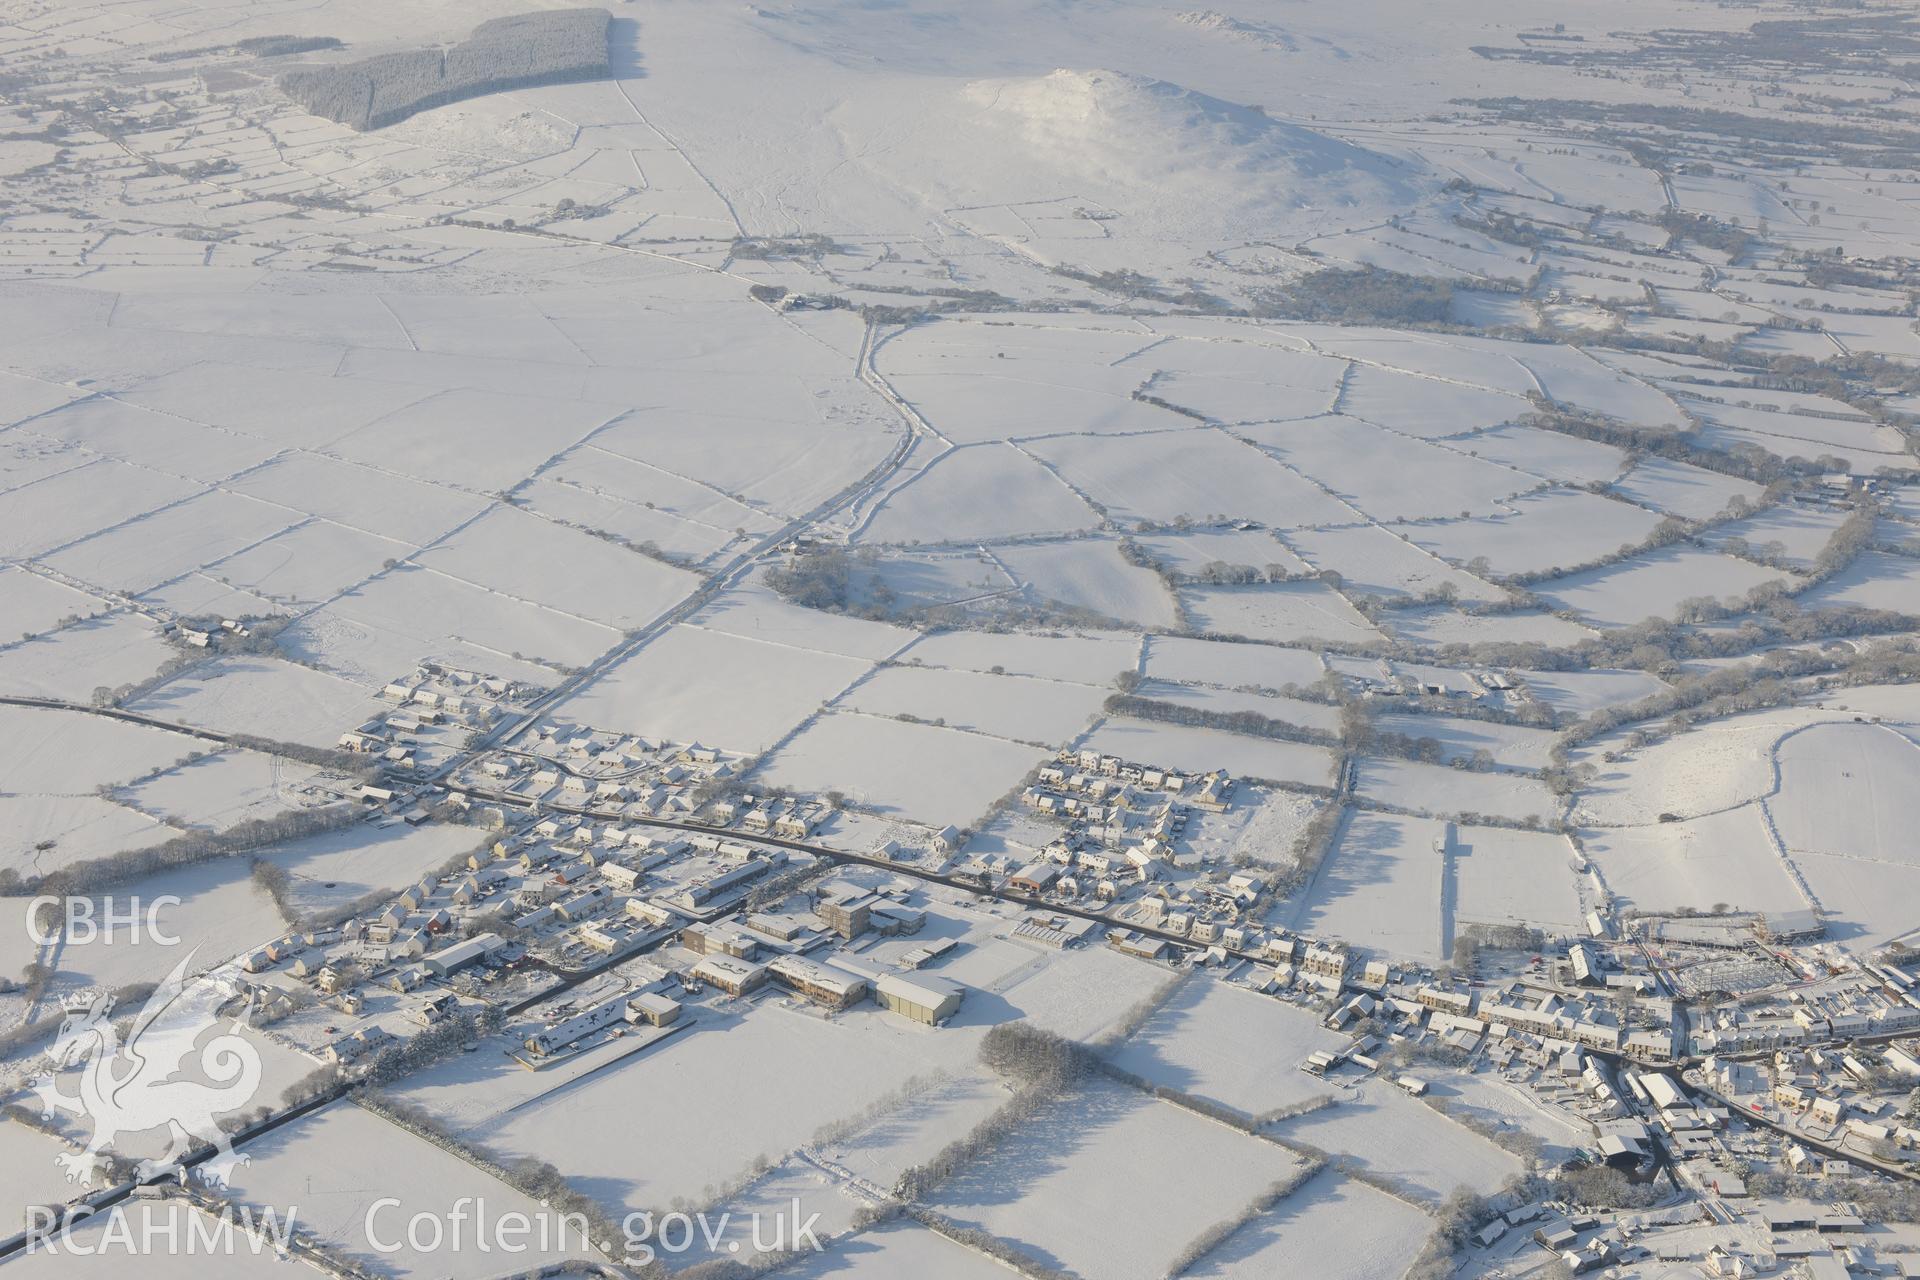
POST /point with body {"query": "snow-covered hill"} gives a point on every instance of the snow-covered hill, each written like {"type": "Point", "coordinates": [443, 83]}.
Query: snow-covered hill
{"type": "Point", "coordinates": [1184, 162]}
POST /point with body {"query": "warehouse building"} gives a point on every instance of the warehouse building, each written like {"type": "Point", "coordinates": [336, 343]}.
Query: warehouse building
{"type": "Point", "coordinates": [461, 954]}
{"type": "Point", "coordinates": [654, 1009]}
{"type": "Point", "coordinates": [921, 997]}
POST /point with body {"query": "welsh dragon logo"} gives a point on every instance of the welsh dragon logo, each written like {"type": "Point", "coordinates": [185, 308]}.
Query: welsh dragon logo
{"type": "Point", "coordinates": [142, 1085]}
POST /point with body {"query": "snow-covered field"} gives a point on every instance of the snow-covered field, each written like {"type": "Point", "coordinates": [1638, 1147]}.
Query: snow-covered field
{"type": "Point", "coordinates": [1576, 693]}
{"type": "Point", "coordinates": [1873, 581]}
{"type": "Point", "coordinates": [987, 491]}
{"type": "Point", "coordinates": [1382, 884]}
{"type": "Point", "coordinates": [1314, 717]}
{"type": "Point", "coordinates": [1289, 614]}
{"type": "Point", "coordinates": [32, 1176]}
{"type": "Point", "coordinates": [214, 910]}
{"type": "Point", "coordinates": [343, 866]}
{"type": "Point", "coordinates": [39, 604]}
{"type": "Point", "coordinates": [53, 762]}
{"type": "Point", "coordinates": [713, 1100]}
{"type": "Point", "coordinates": [1404, 1141]}
{"type": "Point", "coordinates": [898, 1249]}
{"type": "Point", "coordinates": [1441, 627]}
{"type": "Point", "coordinates": [272, 699]}
{"type": "Point", "coordinates": [1232, 665]}
{"type": "Point", "coordinates": [1442, 789]}
{"type": "Point", "coordinates": [1091, 574]}
{"type": "Point", "coordinates": [106, 650]}
{"type": "Point", "coordinates": [1076, 659]}
{"type": "Point", "coordinates": [1181, 747]}
{"type": "Point", "coordinates": [1849, 790]}
{"type": "Point", "coordinates": [221, 790]}
{"type": "Point", "coordinates": [1022, 708]}
{"type": "Point", "coordinates": [1503, 876]}
{"type": "Point", "coordinates": [695, 685]}
{"type": "Point", "coordinates": [1654, 585]}
{"type": "Point", "coordinates": [1678, 489]}
{"type": "Point", "coordinates": [1371, 560]}
{"type": "Point", "coordinates": [1485, 1097]}
{"type": "Point", "coordinates": [1229, 1046]}
{"type": "Point", "coordinates": [1726, 763]}
{"type": "Point", "coordinates": [1724, 857]}
{"type": "Point", "coordinates": [1087, 1201]}
{"type": "Point", "coordinates": [1511, 746]}
{"type": "Point", "coordinates": [1872, 903]}
{"type": "Point", "coordinates": [1333, 1227]}
{"type": "Point", "coordinates": [921, 772]}
{"type": "Point", "coordinates": [321, 1165]}
{"type": "Point", "coordinates": [1555, 529]}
